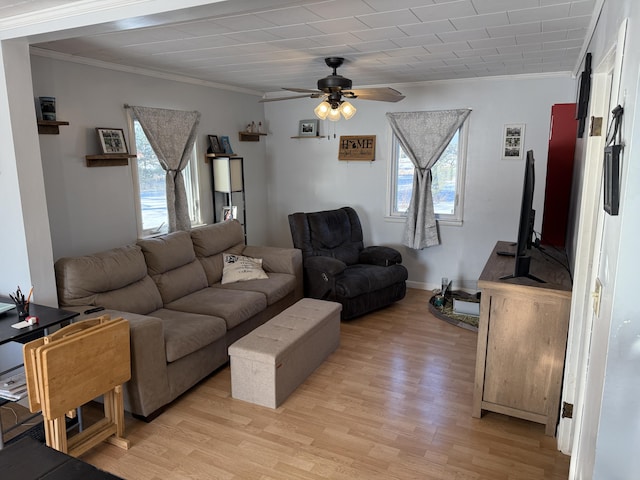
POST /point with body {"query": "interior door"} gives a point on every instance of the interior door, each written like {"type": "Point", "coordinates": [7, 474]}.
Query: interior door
{"type": "Point", "coordinates": [590, 319]}
{"type": "Point", "coordinates": [585, 272]}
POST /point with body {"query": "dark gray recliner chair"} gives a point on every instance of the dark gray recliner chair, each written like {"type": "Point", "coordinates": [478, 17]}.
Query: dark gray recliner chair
{"type": "Point", "coordinates": [339, 268]}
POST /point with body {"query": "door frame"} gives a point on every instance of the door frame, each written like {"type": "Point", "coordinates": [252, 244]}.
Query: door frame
{"type": "Point", "coordinates": [589, 235]}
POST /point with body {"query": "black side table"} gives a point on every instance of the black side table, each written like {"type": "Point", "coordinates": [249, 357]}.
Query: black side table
{"type": "Point", "coordinates": [48, 317]}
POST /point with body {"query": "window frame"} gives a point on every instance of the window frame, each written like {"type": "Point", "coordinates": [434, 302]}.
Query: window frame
{"type": "Point", "coordinates": [192, 186]}
{"type": "Point", "coordinates": [455, 219]}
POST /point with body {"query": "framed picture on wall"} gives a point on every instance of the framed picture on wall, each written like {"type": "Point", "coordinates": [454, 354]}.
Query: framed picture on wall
{"type": "Point", "coordinates": [112, 140]}
{"type": "Point", "coordinates": [513, 142]}
{"type": "Point", "coordinates": [214, 144]}
{"type": "Point", "coordinates": [229, 212]}
{"type": "Point", "coordinates": [308, 128]}
{"type": "Point", "coordinates": [226, 145]}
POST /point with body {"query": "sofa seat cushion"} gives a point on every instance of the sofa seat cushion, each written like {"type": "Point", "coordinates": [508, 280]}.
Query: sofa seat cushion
{"type": "Point", "coordinates": [184, 332]}
{"type": "Point", "coordinates": [275, 288]}
{"type": "Point", "coordinates": [359, 279]}
{"type": "Point", "coordinates": [234, 306]}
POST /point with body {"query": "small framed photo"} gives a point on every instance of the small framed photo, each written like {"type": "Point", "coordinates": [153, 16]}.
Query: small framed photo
{"type": "Point", "coordinates": [226, 145]}
{"type": "Point", "coordinates": [229, 212]}
{"type": "Point", "coordinates": [47, 108]}
{"type": "Point", "coordinates": [308, 128]}
{"type": "Point", "coordinates": [513, 142]}
{"type": "Point", "coordinates": [214, 144]}
{"type": "Point", "coordinates": [112, 140]}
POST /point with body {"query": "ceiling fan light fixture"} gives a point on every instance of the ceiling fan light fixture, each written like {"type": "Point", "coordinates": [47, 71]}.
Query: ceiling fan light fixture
{"type": "Point", "coordinates": [322, 110]}
{"type": "Point", "coordinates": [334, 114]}
{"type": "Point", "coordinates": [347, 110]}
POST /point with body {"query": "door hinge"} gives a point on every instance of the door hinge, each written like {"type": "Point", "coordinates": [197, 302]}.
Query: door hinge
{"type": "Point", "coordinates": [567, 410]}
{"type": "Point", "coordinates": [596, 295]}
{"type": "Point", "coordinates": [596, 127]}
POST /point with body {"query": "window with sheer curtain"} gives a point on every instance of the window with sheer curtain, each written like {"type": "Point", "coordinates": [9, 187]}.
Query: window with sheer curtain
{"type": "Point", "coordinates": [150, 187]}
{"type": "Point", "coordinates": [447, 186]}
{"type": "Point", "coordinates": [172, 136]}
{"type": "Point", "coordinates": [424, 138]}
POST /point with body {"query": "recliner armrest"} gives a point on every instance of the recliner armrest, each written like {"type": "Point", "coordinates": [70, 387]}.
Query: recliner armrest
{"type": "Point", "coordinates": [320, 276]}
{"type": "Point", "coordinates": [329, 265]}
{"type": "Point", "coordinates": [382, 256]}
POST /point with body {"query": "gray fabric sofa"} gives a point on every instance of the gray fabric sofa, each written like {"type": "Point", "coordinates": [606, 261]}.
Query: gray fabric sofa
{"type": "Point", "coordinates": [182, 318]}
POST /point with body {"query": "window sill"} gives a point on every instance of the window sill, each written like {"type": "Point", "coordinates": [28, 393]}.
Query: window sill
{"type": "Point", "coordinates": [152, 235]}
{"type": "Point", "coordinates": [442, 223]}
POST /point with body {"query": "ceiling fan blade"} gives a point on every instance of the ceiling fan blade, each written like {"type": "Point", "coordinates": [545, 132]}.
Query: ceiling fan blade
{"type": "Point", "coordinates": [381, 94]}
{"type": "Point", "coordinates": [301, 90]}
{"type": "Point", "coordinates": [275, 99]}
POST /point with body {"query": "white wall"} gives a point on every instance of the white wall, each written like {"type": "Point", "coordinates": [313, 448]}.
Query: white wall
{"type": "Point", "coordinates": [305, 175]}
{"type": "Point", "coordinates": [25, 246]}
{"type": "Point", "coordinates": [91, 209]}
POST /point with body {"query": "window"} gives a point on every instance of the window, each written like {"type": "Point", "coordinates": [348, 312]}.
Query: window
{"type": "Point", "coordinates": [149, 183]}
{"type": "Point", "coordinates": [447, 183]}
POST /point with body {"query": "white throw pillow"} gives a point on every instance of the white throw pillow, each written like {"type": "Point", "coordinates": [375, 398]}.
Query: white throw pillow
{"type": "Point", "coordinates": [238, 268]}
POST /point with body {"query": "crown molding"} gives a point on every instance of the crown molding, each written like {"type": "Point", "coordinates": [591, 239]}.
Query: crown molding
{"type": "Point", "coordinates": [85, 13]}
{"type": "Point", "coordinates": [41, 52]}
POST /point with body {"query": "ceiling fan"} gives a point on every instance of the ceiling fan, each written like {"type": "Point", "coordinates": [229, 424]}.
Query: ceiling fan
{"type": "Point", "coordinates": [333, 88]}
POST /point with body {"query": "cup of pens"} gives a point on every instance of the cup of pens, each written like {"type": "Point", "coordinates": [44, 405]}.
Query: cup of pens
{"type": "Point", "coordinates": [22, 303]}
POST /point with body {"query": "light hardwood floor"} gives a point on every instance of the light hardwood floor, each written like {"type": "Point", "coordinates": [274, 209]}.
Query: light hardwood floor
{"type": "Point", "coordinates": [393, 402]}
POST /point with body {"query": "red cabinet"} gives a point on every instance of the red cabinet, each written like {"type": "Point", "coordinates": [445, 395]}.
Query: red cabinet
{"type": "Point", "coordinates": [562, 143]}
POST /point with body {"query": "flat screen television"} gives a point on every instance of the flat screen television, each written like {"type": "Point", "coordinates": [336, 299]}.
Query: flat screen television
{"type": "Point", "coordinates": [525, 224]}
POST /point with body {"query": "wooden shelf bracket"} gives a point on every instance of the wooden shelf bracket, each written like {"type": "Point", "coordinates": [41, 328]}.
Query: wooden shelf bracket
{"type": "Point", "coordinates": [49, 127]}
{"type": "Point", "coordinates": [250, 136]}
{"type": "Point", "coordinates": [109, 160]}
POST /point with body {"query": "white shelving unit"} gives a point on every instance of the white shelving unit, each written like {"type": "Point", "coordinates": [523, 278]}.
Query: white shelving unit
{"type": "Point", "coordinates": [227, 178]}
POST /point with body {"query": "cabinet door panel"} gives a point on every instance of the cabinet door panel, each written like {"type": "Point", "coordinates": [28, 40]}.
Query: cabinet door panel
{"type": "Point", "coordinates": [525, 352]}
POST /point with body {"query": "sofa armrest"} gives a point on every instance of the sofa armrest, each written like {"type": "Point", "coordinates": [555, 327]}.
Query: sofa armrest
{"type": "Point", "coordinates": [275, 259]}
{"type": "Point", "coordinates": [148, 388]}
{"type": "Point", "coordinates": [280, 260]}
{"type": "Point", "coordinates": [382, 256]}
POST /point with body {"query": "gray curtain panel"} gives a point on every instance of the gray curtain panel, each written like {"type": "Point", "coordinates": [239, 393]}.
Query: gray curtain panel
{"type": "Point", "coordinates": [424, 136]}
{"type": "Point", "coordinates": [172, 134]}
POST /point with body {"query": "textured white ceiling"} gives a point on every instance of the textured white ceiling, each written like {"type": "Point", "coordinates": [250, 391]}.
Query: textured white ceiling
{"type": "Point", "coordinates": [384, 41]}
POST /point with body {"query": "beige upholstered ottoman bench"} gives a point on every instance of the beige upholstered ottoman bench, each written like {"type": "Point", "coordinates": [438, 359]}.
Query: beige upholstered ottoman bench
{"type": "Point", "coordinates": [270, 362]}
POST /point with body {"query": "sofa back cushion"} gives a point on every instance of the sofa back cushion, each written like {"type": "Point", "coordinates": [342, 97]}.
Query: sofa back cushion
{"type": "Point", "coordinates": [171, 263]}
{"type": "Point", "coordinates": [211, 241]}
{"type": "Point", "coordinates": [116, 279]}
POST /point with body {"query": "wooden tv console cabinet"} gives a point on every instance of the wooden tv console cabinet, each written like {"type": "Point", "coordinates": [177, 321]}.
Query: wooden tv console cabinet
{"type": "Point", "coordinates": [522, 338]}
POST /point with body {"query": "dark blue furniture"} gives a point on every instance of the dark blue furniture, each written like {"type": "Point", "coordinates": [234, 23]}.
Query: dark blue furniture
{"type": "Point", "coordinates": [338, 267]}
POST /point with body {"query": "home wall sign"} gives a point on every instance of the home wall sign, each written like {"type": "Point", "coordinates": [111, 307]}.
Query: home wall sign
{"type": "Point", "coordinates": [357, 147]}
